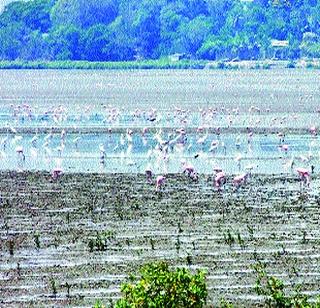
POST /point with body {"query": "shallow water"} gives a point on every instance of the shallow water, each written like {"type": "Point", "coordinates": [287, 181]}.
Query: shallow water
{"type": "Point", "coordinates": [234, 153]}
{"type": "Point", "coordinates": [86, 104]}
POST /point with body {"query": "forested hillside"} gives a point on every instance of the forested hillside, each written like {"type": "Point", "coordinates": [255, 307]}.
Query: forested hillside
{"type": "Point", "coordinates": [115, 30]}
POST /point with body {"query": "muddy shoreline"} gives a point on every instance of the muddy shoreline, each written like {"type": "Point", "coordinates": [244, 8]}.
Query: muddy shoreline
{"type": "Point", "coordinates": [46, 228]}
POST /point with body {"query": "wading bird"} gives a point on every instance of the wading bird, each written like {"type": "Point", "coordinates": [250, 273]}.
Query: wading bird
{"type": "Point", "coordinates": [160, 182]}
{"type": "Point", "coordinates": [304, 176]}
{"type": "Point", "coordinates": [56, 173]}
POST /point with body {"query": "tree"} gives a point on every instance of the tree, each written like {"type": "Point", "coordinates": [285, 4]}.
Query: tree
{"type": "Point", "coordinates": [146, 27]}
{"type": "Point", "coordinates": [218, 11]}
{"type": "Point", "coordinates": [193, 33]}
{"type": "Point", "coordinates": [170, 21]}
{"type": "Point", "coordinates": [12, 38]}
{"type": "Point", "coordinates": [93, 43]}
{"type": "Point", "coordinates": [122, 44]}
{"type": "Point", "coordinates": [63, 43]}
{"type": "Point", "coordinates": [161, 287]}
{"type": "Point", "coordinates": [35, 46]}
{"type": "Point", "coordinates": [310, 45]}
{"type": "Point", "coordinates": [84, 13]}
{"type": "Point", "coordinates": [127, 29]}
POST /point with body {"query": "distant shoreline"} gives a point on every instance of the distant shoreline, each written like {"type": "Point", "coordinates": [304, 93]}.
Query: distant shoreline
{"type": "Point", "coordinates": [161, 64]}
{"type": "Point", "coordinates": [154, 129]}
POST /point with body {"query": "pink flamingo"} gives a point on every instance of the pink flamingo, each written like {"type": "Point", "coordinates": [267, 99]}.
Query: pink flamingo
{"type": "Point", "coordinates": [144, 131]}
{"type": "Point", "coordinates": [200, 129]}
{"type": "Point", "coordinates": [313, 130]}
{"type": "Point", "coordinates": [220, 180]}
{"type": "Point", "coordinates": [240, 179]}
{"type": "Point", "coordinates": [189, 170]}
{"type": "Point", "coordinates": [56, 173]}
{"type": "Point", "coordinates": [304, 176]}
{"type": "Point", "coordinates": [284, 148]}
{"type": "Point", "coordinates": [160, 182]}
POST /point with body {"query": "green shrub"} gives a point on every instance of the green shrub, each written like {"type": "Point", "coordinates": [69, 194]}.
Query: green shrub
{"type": "Point", "coordinates": [159, 288]}
{"type": "Point", "coordinates": [273, 290]}
{"type": "Point", "coordinates": [99, 304]}
{"type": "Point", "coordinates": [120, 65]}
{"type": "Point", "coordinates": [225, 304]}
{"type": "Point", "coordinates": [100, 241]}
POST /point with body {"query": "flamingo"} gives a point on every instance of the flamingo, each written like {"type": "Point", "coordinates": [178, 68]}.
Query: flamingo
{"type": "Point", "coordinates": [220, 179]}
{"type": "Point", "coordinates": [284, 148]}
{"type": "Point", "coordinates": [56, 173]}
{"type": "Point", "coordinates": [189, 170]}
{"type": "Point", "coordinates": [144, 131]}
{"type": "Point", "coordinates": [304, 176]}
{"type": "Point", "coordinates": [240, 179]}
{"type": "Point", "coordinates": [313, 130]}
{"type": "Point", "coordinates": [160, 182]}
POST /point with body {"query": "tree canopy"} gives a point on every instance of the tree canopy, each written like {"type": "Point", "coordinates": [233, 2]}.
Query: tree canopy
{"type": "Point", "coordinates": [113, 30]}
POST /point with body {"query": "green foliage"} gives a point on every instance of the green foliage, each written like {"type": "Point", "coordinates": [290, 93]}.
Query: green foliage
{"type": "Point", "coordinates": [146, 64]}
{"type": "Point", "coordinates": [63, 43]}
{"type": "Point", "coordinates": [118, 30]}
{"type": "Point", "coordinates": [99, 304]}
{"type": "Point", "coordinates": [161, 287]}
{"type": "Point", "coordinates": [53, 285]}
{"type": "Point", "coordinates": [100, 241]}
{"type": "Point", "coordinates": [225, 304]}
{"type": "Point", "coordinates": [310, 45]}
{"type": "Point", "coordinates": [273, 289]}
{"type": "Point", "coordinates": [83, 13]}
{"type": "Point", "coordinates": [94, 42]}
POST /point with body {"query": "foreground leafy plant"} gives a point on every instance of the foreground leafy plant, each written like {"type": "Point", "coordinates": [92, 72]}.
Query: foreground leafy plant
{"type": "Point", "coordinates": [159, 287]}
{"type": "Point", "coordinates": [225, 304]}
{"type": "Point", "coordinates": [99, 304]}
{"type": "Point", "coordinates": [100, 241]}
{"type": "Point", "coordinates": [273, 289]}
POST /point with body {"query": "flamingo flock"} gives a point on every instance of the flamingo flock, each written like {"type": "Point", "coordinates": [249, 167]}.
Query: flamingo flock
{"type": "Point", "coordinates": [163, 136]}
